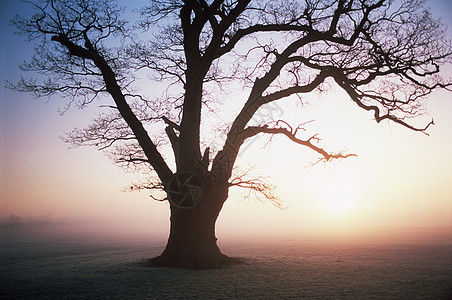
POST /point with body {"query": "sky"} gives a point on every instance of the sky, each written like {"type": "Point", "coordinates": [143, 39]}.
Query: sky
{"type": "Point", "coordinates": [399, 178]}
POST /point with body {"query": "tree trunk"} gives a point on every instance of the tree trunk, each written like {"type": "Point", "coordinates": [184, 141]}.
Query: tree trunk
{"type": "Point", "coordinates": [192, 242]}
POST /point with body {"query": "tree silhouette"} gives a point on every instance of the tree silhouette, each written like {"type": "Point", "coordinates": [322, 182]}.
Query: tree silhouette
{"type": "Point", "coordinates": [386, 57]}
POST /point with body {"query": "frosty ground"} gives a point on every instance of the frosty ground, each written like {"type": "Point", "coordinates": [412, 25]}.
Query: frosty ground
{"type": "Point", "coordinates": [296, 269]}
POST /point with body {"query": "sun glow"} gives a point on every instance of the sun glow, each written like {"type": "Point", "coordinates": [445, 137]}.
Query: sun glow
{"type": "Point", "coordinates": [338, 199]}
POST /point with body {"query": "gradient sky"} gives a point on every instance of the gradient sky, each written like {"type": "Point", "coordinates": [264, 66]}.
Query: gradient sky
{"type": "Point", "coordinates": [400, 178]}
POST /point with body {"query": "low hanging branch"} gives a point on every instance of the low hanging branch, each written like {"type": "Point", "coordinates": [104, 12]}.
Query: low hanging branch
{"type": "Point", "coordinates": [257, 186]}
{"type": "Point", "coordinates": [292, 135]}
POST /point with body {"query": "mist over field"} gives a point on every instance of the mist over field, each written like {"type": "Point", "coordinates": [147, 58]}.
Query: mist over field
{"type": "Point", "coordinates": [50, 258]}
{"type": "Point", "coordinates": [127, 230]}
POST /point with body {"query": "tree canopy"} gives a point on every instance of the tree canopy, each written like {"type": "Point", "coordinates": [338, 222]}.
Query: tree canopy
{"type": "Point", "coordinates": [386, 57]}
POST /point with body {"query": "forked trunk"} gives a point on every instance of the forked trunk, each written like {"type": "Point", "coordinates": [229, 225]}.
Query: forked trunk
{"type": "Point", "coordinates": [192, 242]}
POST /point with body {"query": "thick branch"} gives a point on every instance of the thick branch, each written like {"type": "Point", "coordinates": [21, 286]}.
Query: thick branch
{"type": "Point", "coordinates": [126, 112]}
{"type": "Point", "coordinates": [170, 123]}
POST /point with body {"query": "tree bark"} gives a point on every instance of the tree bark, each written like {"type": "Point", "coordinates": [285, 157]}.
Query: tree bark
{"type": "Point", "coordinates": [192, 242]}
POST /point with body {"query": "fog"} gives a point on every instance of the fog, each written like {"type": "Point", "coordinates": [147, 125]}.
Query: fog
{"type": "Point", "coordinates": [127, 231]}
{"type": "Point", "coordinates": [81, 230]}
{"type": "Point", "coordinates": [82, 258]}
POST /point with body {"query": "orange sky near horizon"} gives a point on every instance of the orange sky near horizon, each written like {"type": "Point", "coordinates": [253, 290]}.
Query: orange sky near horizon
{"type": "Point", "coordinates": [399, 178]}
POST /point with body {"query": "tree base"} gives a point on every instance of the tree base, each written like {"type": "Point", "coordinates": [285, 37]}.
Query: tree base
{"type": "Point", "coordinates": [195, 263]}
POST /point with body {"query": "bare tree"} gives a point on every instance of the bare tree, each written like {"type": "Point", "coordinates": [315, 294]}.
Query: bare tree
{"type": "Point", "coordinates": [386, 57]}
